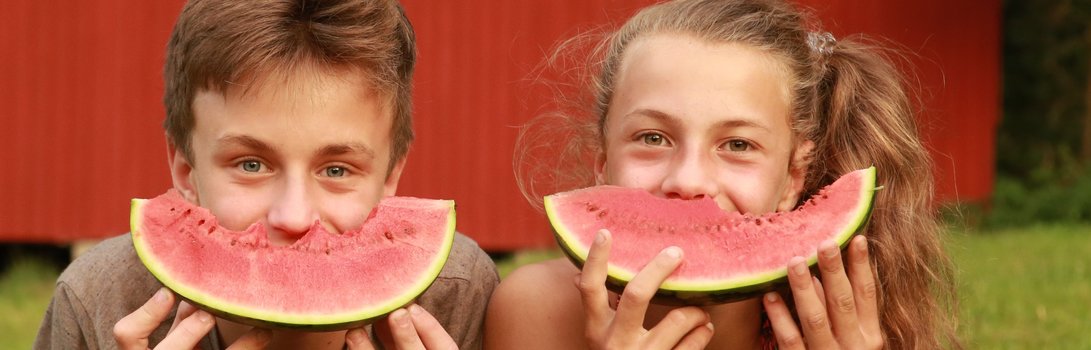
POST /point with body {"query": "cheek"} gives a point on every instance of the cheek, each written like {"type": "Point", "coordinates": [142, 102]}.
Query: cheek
{"type": "Point", "coordinates": [752, 191]}
{"type": "Point", "coordinates": [346, 213]}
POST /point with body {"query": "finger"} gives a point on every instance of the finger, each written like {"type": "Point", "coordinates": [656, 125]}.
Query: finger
{"type": "Point", "coordinates": [184, 310]}
{"type": "Point", "coordinates": [132, 331]}
{"type": "Point", "coordinates": [864, 287]}
{"type": "Point", "coordinates": [818, 289]}
{"type": "Point", "coordinates": [634, 299]}
{"type": "Point", "coordinates": [780, 318]}
{"type": "Point", "coordinates": [430, 331]}
{"type": "Point", "coordinates": [357, 339]}
{"type": "Point", "coordinates": [189, 331]}
{"type": "Point", "coordinates": [592, 280]}
{"type": "Point", "coordinates": [812, 314]}
{"type": "Point", "coordinates": [255, 338]}
{"type": "Point", "coordinates": [675, 326]}
{"type": "Point", "coordinates": [840, 302]}
{"type": "Point", "coordinates": [697, 338]}
{"type": "Point", "coordinates": [402, 331]}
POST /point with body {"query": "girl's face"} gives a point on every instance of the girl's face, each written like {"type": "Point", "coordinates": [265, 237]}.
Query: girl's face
{"type": "Point", "coordinates": [692, 119]}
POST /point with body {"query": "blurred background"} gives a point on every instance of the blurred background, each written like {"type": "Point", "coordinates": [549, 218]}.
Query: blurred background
{"type": "Point", "coordinates": [1003, 87]}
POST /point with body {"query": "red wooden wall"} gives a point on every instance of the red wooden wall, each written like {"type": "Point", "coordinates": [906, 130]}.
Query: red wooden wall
{"type": "Point", "coordinates": [81, 88]}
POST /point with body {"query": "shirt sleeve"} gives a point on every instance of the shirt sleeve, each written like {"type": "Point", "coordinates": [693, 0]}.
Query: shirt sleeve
{"type": "Point", "coordinates": [64, 323]}
{"type": "Point", "coordinates": [459, 295]}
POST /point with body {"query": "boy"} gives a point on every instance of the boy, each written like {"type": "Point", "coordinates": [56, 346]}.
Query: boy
{"type": "Point", "coordinates": [285, 113]}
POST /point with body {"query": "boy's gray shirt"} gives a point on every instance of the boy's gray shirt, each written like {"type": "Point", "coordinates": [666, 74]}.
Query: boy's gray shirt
{"type": "Point", "coordinates": [109, 282]}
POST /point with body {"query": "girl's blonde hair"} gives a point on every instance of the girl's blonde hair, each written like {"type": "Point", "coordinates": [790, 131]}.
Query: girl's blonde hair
{"type": "Point", "coordinates": [847, 97]}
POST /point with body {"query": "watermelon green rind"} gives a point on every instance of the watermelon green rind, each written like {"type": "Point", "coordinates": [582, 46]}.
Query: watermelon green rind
{"type": "Point", "coordinates": [715, 291]}
{"type": "Point", "coordinates": [343, 320]}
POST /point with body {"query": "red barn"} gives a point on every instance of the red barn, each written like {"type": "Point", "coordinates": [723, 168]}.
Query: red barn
{"type": "Point", "coordinates": [82, 89]}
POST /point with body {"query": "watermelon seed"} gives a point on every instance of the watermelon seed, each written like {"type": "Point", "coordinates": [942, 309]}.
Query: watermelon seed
{"type": "Point", "coordinates": [200, 222]}
{"type": "Point", "coordinates": [592, 207]}
{"type": "Point", "coordinates": [602, 214]}
{"type": "Point", "coordinates": [388, 235]}
{"type": "Point", "coordinates": [327, 251]}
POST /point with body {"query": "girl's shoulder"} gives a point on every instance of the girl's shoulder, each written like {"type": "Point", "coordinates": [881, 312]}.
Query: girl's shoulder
{"type": "Point", "coordinates": [550, 282]}
{"type": "Point", "coordinates": [537, 305]}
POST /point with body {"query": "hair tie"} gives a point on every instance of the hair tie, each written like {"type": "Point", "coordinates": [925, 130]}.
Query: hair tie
{"type": "Point", "coordinates": [821, 42]}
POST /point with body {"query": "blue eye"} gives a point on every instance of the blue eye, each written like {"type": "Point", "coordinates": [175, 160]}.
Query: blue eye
{"type": "Point", "coordinates": [335, 171]}
{"type": "Point", "coordinates": [250, 166]}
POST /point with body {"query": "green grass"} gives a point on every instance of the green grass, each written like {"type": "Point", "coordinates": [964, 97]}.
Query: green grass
{"type": "Point", "coordinates": [25, 290]}
{"type": "Point", "coordinates": [1026, 288]}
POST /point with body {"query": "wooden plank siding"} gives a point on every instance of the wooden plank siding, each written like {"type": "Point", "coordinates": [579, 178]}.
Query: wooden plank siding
{"type": "Point", "coordinates": [82, 89]}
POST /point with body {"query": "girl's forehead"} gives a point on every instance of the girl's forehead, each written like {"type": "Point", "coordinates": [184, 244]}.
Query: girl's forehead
{"type": "Point", "coordinates": [681, 75]}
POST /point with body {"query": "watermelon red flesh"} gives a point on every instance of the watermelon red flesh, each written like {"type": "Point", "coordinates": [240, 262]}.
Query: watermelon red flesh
{"type": "Point", "coordinates": [726, 255]}
{"type": "Point", "coordinates": [322, 281]}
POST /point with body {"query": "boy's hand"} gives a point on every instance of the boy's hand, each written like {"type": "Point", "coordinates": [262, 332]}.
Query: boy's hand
{"type": "Point", "coordinates": [411, 328]}
{"type": "Point", "coordinates": [189, 326]}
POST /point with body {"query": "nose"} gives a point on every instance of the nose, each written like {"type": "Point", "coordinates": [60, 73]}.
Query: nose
{"type": "Point", "coordinates": [691, 176]}
{"type": "Point", "coordinates": [292, 212]}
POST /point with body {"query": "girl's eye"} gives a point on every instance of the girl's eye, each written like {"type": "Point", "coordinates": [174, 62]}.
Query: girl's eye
{"type": "Point", "coordinates": [335, 171]}
{"type": "Point", "coordinates": [738, 146]}
{"type": "Point", "coordinates": [653, 139]}
{"type": "Point", "coordinates": [250, 166]}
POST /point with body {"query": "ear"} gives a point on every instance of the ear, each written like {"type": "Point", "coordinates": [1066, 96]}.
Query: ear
{"type": "Point", "coordinates": [181, 173]}
{"type": "Point", "coordinates": [390, 186]}
{"type": "Point", "coordinates": [797, 174]}
{"type": "Point", "coordinates": [600, 168]}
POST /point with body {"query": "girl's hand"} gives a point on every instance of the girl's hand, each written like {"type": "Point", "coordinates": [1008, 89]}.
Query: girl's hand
{"type": "Point", "coordinates": [841, 313]}
{"type": "Point", "coordinates": [189, 326]}
{"type": "Point", "coordinates": [682, 328]}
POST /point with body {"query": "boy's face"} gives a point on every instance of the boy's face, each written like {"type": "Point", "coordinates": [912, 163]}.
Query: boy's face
{"type": "Point", "coordinates": [289, 151]}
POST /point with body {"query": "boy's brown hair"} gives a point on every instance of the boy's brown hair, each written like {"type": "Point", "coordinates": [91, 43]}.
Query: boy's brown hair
{"type": "Point", "coordinates": [221, 43]}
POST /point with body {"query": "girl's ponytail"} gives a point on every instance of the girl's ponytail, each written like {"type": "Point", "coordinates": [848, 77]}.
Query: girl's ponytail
{"type": "Point", "coordinates": [866, 118]}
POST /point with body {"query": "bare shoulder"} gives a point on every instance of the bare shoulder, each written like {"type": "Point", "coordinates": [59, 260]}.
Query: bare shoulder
{"type": "Point", "coordinates": [536, 306]}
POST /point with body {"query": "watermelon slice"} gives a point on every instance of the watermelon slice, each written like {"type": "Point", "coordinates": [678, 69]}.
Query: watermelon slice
{"type": "Point", "coordinates": [727, 256]}
{"type": "Point", "coordinates": [321, 282]}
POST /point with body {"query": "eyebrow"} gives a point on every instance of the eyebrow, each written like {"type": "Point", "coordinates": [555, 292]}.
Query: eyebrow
{"type": "Point", "coordinates": [247, 142]}
{"type": "Point", "coordinates": [345, 148]}
{"type": "Point", "coordinates": [326, 151]}
{"type": "Point", "coordinates": [734, 122]}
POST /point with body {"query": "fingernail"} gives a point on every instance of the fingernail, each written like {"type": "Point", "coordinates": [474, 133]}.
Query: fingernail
{"type": "Point", "coordinates": [673, 252]}
{"type": "Point", "coordinates": [161, 295]}
{"type": "Point", "coordinates": [400, 318]}
{"type": "Point", "coordinates": [710, 327]}
{"type": "Point", "coordinates": [799, 267]}
{"type": "Point", "coordinates": [356, 336]}
{"type": "Point", "coordinates": [599, 237]}
{"type": "Point", "coordinates": [771, 297]}
{"type": "Point", "coordinates": [861, 244]}
{"type": "Point", "coordinates": [829, 248]}
{"type": "Point", "coordinates": [204, 316]}
{"type": "Point", "coordinates": [416, 309]}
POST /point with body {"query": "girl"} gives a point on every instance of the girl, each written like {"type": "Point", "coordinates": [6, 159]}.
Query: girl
{"type": "Point", "coordinates": [742, 102]}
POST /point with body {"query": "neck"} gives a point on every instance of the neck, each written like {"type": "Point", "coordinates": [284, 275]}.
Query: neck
{"type": "Point", "coordinates": [282, 338]}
